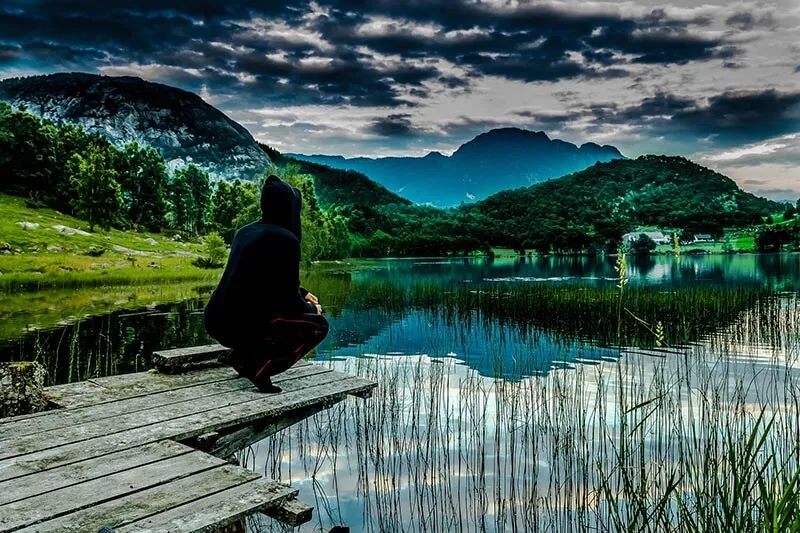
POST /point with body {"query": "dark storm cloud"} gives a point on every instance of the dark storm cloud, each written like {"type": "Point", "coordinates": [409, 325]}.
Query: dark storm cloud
{"type": "Point", "coordinates": [744, 116]}
{"type": "Point", "coordinates": [267, 48]}
{"type": "Point", "coordinates": [747, 20]}
{"type": "Point", "coordinates": [9, 53]}
{"type": "Point", "coordinates": [534, 42]}
{"type": "Point", "coordinates": [395, 125]}
{"type": "Point", "coordinates": [659, 105]}
{"type": "Point", "coordinates": [724, 120]}
{"type": "Point", "coordinates": [550, 119]}
{"type": "Point", "coordinates": [454, 82]}
{"type": "Point", "coordinates": [727, 119]}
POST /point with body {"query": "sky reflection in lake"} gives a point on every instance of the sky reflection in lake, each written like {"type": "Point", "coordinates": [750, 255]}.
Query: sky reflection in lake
{"type": "Point", "coordinates": [448, 444]}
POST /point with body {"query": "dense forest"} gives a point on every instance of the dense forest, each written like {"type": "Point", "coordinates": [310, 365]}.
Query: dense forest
{"type": "Point", "coordinates": [596, 206]}
{"type": "Point", "coordinates": [347, 214]}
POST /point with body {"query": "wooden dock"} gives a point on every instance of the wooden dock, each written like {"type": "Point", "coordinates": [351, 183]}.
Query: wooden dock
{"type": "Point", "coordinates": [149, 452]}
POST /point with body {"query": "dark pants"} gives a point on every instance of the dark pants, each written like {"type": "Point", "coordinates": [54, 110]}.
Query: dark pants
{"type": "Point", "coordinates": [284, 342]}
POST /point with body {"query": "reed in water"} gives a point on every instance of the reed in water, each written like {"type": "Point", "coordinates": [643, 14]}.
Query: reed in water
{"type": "Point", "coordinates": [690, 437]}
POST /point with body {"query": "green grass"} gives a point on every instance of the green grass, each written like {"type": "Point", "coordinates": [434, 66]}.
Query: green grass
{"type": "Point", "coordinates": [737, 243]}
{"type": "Point", "coordinates": [746, 243]}
{"type": "Point", "coordinates": [44, 257]}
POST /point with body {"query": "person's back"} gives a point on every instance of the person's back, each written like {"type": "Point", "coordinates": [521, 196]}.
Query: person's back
{"type": "Point", "coordinates": [259, 308]}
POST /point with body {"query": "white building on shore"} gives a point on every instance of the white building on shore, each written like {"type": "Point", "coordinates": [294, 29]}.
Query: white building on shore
{"type": "Point", "coordinates": [658, 237]}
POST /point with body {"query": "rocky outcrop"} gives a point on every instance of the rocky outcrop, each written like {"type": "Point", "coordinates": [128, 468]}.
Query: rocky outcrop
{"type": "Point", "coordinates": [179, 124]}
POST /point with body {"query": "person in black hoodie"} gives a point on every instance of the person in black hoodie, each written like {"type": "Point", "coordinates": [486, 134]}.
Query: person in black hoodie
{"type": "Point", "coordinates": [259, 308]}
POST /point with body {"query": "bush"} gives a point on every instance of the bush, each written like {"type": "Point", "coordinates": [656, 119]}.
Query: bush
{"type": "Point", "coordinates": [215, 252]}
{"type": "Point", "coordinates": [95, 251]}
{"type": "Point", "coordinates": [643, 245]}
{"type": "Point", "coordinates": [771, 239]}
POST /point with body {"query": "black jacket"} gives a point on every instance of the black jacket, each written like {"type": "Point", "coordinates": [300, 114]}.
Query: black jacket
{"type": "Point", "coordinates": [261, 280]}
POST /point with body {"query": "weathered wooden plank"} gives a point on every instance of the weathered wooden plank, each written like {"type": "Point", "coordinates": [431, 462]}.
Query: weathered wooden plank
{"type": "Point", "coordinates": [207, 514]}
{"type": "Point", "coordinates": [226, 445]}
{"type": "Point", "coordinates": [140, 505]}
{"type": "Point", "coordinates": [11, 446]}
{"type": "Point", "coordinates": [266, 406]}
{"type": "Point", "coordinates": [64, 418]}
{"type": "Point", "coordinates": [113, 388]}
{"type": "Point", "coordinates": [291, 512]}
{"type": "Point", "coordinates": [65, 476]}
{"type": "Point", "coordinates": [32, 510]}
{"type": "Point", "coordinates": [170, 361]}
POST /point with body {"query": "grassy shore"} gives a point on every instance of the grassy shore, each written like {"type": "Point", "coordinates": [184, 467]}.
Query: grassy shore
{"type": "Point", "coordinates": [42, 248]}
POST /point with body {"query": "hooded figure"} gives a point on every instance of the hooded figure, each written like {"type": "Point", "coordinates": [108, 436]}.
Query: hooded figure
{"type": "Point", "coordinates": [259, 308]}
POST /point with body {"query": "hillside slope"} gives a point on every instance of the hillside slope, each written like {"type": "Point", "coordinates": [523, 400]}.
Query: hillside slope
{"type": "Point", "coordinates": [41, 247]}
{"type": "Point", "coordinates": [499, 159]}
{"type": "Point", "coordinates": [179, 124]}
{"type": "Point", "coordinates": [336, 187]}
{"type": "Point", "coordinates": [609, 198]}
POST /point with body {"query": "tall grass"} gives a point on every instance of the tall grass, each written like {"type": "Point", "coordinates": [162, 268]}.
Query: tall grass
{"type": "Point", "coordinates": [696, 437]}
{"type": "Point", "coordinates": [174, 271]}
{"type": "Point", "coordinates": [576, 311]}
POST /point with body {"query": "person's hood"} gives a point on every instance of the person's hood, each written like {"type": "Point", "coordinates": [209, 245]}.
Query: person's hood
{"type": "Point", "coordinates": [281, 205]}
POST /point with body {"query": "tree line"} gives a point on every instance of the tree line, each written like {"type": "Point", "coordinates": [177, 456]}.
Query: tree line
{"type": "Point", "coordinates": [346, 214]}
{"type": "Point", "coordinates": [82, 174]}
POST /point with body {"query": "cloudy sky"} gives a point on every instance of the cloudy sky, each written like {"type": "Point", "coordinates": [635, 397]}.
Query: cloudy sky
{"type": "Point", "coordinates": [718, 82]}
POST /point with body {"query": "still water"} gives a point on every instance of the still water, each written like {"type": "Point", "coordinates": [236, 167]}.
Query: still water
{"type": "Point", "coordinates": [484, 420]}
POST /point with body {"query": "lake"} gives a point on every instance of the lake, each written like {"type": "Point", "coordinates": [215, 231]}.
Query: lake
{"type": "Point", "coordinates": [514, 394]}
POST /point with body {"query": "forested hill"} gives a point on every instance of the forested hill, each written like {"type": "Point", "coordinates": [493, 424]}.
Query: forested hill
{"type": "Point", "coordinates": [179, 124]}
{"type": "Point", "coordinates": [608, 199]}
{"type": "Point", "coordinates": [336, 187]}
{"type": "Point", "coordinates": [499, 159]}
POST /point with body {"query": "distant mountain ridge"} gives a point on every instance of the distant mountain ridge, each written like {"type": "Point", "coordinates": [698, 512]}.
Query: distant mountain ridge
{"type": "Point", "coordinates": [504, 158]}
{"type": "Point", "coordinates": [179, 124]}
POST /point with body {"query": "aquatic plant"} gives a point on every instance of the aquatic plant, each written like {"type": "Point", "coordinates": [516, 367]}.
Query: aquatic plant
{"type": "Point", "coordinates": [702, 438]}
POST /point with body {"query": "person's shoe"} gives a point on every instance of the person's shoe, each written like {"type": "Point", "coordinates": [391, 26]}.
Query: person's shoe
{"type": "Point", "coordinates": [265, 385]}
{"type": "Point", "coordinates": [262, 380]}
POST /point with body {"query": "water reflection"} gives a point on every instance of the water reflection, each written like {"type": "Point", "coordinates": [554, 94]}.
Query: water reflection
{"type": "Point", "coordinates": [79, 334]}
{"type": "Point", "coordinates": [781, 271]}
{"type": "Point", "coordinates": [502, 405]}
{"type": "Point", "coordinates": [443, 446]}
{"type": "Point", "coordinates": [489, 348]}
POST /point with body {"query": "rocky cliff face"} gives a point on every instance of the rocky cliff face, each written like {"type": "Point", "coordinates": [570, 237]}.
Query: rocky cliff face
{"type": "Point", "coordinates": [179, 124]}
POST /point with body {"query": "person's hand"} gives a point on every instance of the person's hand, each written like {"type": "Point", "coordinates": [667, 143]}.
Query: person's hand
{"type": "Point", "coordinates": [312, 299]}
{"type": "Point", "coordinates": [319, 308]}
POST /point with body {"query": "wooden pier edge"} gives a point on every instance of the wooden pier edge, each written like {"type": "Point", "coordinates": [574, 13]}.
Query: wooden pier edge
{"type": "Point", "coordinates": [151, 452]}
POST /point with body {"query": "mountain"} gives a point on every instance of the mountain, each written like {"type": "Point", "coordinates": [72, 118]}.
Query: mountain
{"type": "Point", "coordinates": [500, 159]}
{"type": "Point", "coordinates": [608, 199]}
{"type": "Point", "coordinates": [335, 187]}
{"type": "Point", "coordinates": [179, 124]}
